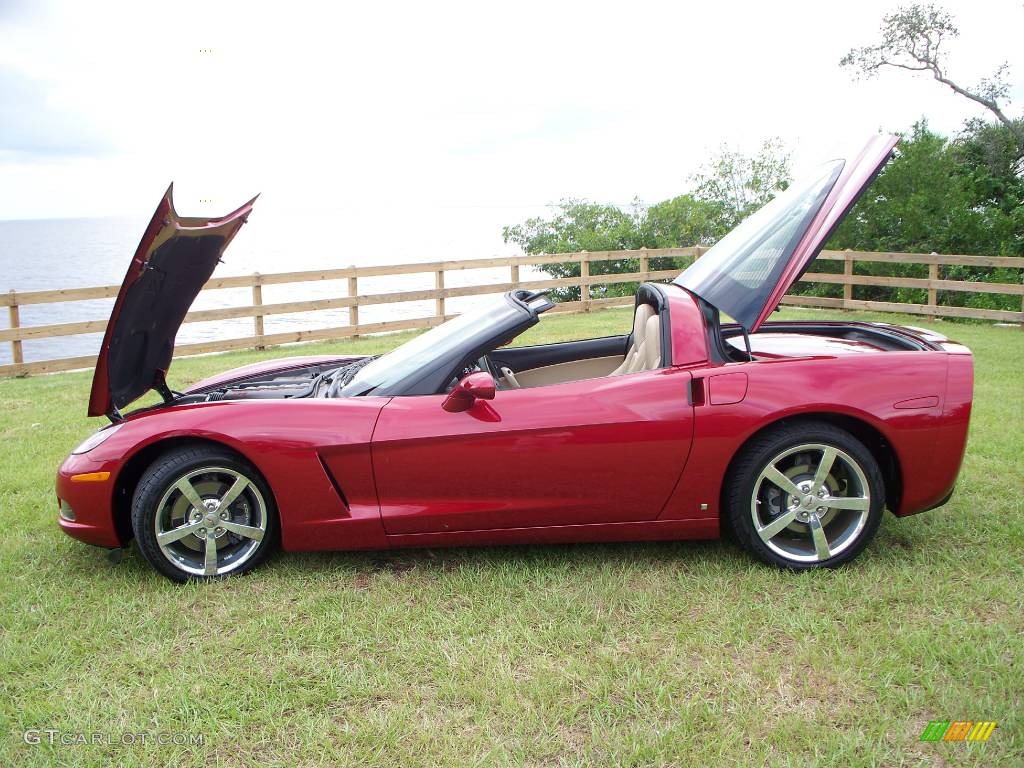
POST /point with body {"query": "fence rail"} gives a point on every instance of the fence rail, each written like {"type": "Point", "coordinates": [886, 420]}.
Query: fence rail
{"type": "Point", "coordinates": [352, 300]}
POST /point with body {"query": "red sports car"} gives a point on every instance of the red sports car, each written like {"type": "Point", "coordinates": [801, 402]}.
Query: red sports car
{"type": "Point", "coordinates": [796, 435]}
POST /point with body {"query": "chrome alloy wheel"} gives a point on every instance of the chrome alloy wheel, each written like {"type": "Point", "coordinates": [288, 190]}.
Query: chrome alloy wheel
{"type": "Point", "coordinates": [210, 521]}
{"type": "Point", "coordinates": [810, 503]}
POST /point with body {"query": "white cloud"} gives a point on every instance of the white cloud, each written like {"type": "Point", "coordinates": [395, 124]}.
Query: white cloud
{"type": "Point", "coordinates": [493, 109]}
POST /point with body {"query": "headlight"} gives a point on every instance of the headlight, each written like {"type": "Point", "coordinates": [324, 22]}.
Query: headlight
{"type": "Point", "coordinates": [96, 438]}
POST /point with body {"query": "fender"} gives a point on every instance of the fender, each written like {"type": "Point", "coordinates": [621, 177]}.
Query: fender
{"type": "Point", "coordinates": [299, 452]}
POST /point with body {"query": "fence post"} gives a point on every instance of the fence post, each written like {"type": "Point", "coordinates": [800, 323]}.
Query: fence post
{"type": "Point", "coordinates": [698, 251]}
{"type": "Point", "coordinates": [645, 264]}
{"type": "Point", "coordinates": [848, 273]}
{"type": "Point", "coordinates": [933, 274]}
{"type": "Point", "coordinates": [353, 310]}
{"type": "Point", "coordinates": [14, 321]}
{"type": "Point", "coordinates": [514, 276]}
{"type": "Point", "coordinates": [257, 301]}
{"type": "Point", "coordinates": [439, 301]}
{"type": "Point", "coordinates": [585, 281]}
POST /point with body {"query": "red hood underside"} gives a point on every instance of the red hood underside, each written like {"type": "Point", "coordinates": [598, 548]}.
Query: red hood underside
{"type": "Point", "coordinates": [175, 258]}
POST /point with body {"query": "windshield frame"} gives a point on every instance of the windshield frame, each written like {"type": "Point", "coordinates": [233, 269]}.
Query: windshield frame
{"type": "Point", "coordinates": [427, 363]}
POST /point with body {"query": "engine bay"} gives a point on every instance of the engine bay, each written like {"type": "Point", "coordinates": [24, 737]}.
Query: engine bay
{"type": "Point", "coordinates": [311, 381]}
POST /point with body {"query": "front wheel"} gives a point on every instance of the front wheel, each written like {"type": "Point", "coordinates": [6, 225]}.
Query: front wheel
{"type": "Point", "coordinates": [805, 495]}
{"type": "Point", "coordinates": [203, 512]}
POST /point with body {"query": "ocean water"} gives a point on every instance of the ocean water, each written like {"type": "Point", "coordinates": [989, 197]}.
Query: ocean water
{"type": "Point", "coordinates": [72, 253]}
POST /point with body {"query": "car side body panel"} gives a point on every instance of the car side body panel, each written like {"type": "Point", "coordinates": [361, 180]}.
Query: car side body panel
{"type": "Point", "coordinates": [606, 450]}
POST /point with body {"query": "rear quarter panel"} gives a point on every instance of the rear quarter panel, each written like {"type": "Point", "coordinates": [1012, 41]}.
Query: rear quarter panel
{"type": "Point", "coordinates": [927, 438]}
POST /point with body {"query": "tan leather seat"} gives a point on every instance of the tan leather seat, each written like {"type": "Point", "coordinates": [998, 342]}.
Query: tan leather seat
{"type": "Point", "coordinates": [651, 350]}
{"type": "Point", "coordinates": [635, 359]}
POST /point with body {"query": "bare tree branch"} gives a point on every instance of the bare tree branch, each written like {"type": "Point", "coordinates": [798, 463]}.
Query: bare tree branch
{"type": "Point", "coordinates": [912, 39]}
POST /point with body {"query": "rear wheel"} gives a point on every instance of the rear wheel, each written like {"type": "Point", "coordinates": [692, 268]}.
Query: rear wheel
{"type": "Point", "coordinates": [203, 512]}
{"type": "Point", "coordinates": [805, 495]}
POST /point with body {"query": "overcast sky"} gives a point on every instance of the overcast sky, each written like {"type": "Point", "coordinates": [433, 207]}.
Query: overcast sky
{"type": "Point", "coordinates": [488, 106]}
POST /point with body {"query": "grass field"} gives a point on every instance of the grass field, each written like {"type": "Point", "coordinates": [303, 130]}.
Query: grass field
{"type": "Point", "coordinates": [683, 654]}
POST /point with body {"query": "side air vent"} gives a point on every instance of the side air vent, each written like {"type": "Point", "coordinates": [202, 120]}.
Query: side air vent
{"type": "Point", "coordinates": [334, 482]}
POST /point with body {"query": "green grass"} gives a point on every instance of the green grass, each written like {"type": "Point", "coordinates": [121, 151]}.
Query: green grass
{"type": "Point", "coordinates": [629, 654]}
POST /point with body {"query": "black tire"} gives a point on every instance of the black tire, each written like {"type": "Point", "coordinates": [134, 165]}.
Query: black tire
{"type": "Point", "coordinates": [783, 523]}
{"type": "Point", "coordinates": [160, 500]}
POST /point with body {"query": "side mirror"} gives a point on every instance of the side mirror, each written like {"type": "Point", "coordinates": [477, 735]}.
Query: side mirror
{"type": "Point", "coordinates": [472, 387]}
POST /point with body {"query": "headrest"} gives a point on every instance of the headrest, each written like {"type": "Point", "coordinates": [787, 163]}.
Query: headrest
{"type": "Point", "coordinates": [644, 312]}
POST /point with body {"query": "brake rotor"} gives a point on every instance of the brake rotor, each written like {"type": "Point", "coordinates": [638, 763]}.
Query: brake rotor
{"type": "Point", "coordinates": [240, 512]}
{"type": "Point", "coordinates": [802, 471]}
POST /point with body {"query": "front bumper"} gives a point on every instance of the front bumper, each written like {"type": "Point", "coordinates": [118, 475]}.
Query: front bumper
{"type": "Point", "coordinates": [84, 494]}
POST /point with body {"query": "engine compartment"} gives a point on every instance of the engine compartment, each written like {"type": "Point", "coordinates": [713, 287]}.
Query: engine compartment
{"type": "Point", "coordinates": [293, 383]}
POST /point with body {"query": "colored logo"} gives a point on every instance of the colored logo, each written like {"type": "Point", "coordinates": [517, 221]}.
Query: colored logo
{"type": "Point", "coordinates": [958, 730]}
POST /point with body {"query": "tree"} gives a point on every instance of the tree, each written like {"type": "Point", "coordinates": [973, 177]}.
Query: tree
{"type": "Point", "coordinates": [916, 205]}
{"type": "Point", "coordinates": [739, 184]}
{"type": "Point", "coordinates": [997, 167]}
{"type": "Point", "coordinates": [729, 188]}
{"type": "Point", "coordinates": [683, 220]}
{"type": "Point", "coordinates": [580, 225]}
{"type": "Point", "coordinates": [948, 196]}
{"type": "Point", "coordinates": [912, 39]}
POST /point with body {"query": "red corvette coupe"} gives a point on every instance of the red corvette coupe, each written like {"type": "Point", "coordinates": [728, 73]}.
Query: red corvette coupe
{"type": "Point", "coordinates": [796, 435]}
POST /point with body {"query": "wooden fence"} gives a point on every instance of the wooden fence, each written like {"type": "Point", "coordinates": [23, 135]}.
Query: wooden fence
{"type": "Point", "coordinates": [16, 334]}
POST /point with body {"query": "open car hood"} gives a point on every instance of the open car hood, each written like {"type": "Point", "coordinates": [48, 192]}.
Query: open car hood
{"type": "Point", "coordinates": [747, 272]}
{"type": "Point", "coordinates": [175, 258]}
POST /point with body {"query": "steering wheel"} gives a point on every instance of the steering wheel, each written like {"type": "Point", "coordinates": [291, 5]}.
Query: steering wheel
{"type": "Point", "coordinates": [501, 381]}
{"type": "Point", "coordinates": [484, 364]}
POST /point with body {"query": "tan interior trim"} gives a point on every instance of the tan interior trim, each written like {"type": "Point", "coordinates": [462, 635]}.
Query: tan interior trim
{"type": "Point", "coordinates": [574, 370]}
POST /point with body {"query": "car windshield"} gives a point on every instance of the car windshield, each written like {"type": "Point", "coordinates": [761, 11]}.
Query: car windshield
{"type": "Point", "coordinates": [738, 274]}
{"type": "Point", "coordinates": [436, 345]}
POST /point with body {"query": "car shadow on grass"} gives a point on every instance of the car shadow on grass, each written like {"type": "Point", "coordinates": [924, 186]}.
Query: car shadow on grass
{"type": "Point", "coordinates": [357, 566]}
{"type": "Point", "coordinates": [528, 557]}
{"type": "Point", "coordinates": [895, 542]}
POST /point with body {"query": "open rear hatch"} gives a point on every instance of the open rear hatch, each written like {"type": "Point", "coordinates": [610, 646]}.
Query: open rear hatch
{"type": "Point", "coordinates": [747, 272]}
